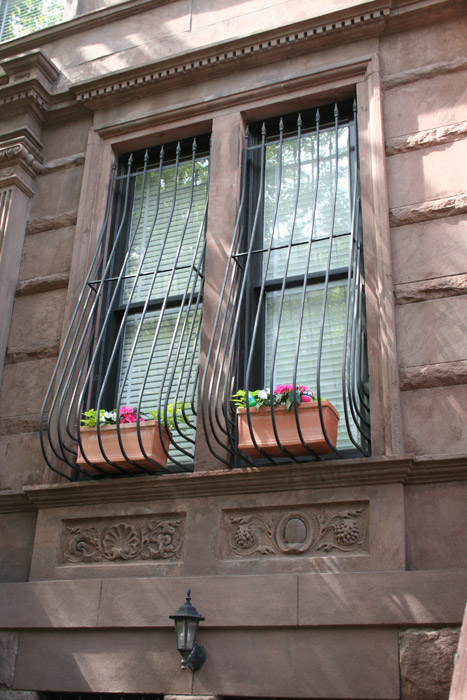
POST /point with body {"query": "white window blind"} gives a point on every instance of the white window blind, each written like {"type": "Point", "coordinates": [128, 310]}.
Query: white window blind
{"type": "Point", "coordinates": [293, 183]}
{"type": "Point", "coordinates": [20, 17]}
{"type": "Point", "coordinates": [159, 358]}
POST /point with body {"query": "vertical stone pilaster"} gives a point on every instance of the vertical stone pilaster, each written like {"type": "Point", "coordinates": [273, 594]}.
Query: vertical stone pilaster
{"type": "Point", "coordinates": [224, 193]}
{"type": "Point", "coordinates": [25, 93]}
{"type": "Point", "coordinates": [19, 165]}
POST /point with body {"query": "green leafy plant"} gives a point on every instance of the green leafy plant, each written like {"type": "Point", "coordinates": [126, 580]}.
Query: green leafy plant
{"type": "Point", "coordinates": [175, 414]}
{"type": "Point", "coordinates": [283, 395]}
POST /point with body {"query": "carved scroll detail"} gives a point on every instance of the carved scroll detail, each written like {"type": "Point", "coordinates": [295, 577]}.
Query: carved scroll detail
{"type": "Point", "coordinates": [311, 531]}
{"type": "Point", "coordinates": [122, 541]}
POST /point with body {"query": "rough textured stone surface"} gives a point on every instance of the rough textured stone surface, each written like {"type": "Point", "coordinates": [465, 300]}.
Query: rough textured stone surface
{"type": "Point", "coordinates": [434, 209]}
{"type": "Point", "coordinates": [422, 72]}
{"type": "Point", "coordinates": [459, 677]}
{"type": "Point", "coordinates": [436, 532]}
{"type": "Point", "coordinates": [8, 651]}
{"type": "Point", "coordinates": [63, 163]}
{"type": "Point", "coordinates": [22, 462]}
{"type": "Point", "coordinates": [432, 332]}
{"type": "Point", "coordinates": [429, 249]}
{"type": "Point", "coordinates": [65, 186]}
{"type": "Point", "coordinates": [443, 104]}
{"type": "Point", "coordinates": [37, 318]}
{"type": "Point", "coordinates": [36, 259]}
{"type": "Point", "coordinates": [23, 392]}
{"type": "Point", "coordinates": [426, 662]}
{"type": "Point", "coordinates": [18, 695]}
{"type": "Point", "coordinates": [426, 139]}
{"type": "Point", "coordinates": [429, 376]}
{"type": "Point", "coordinates": [16, 546]}
{"type": "Point", "coordinates": [413, 177]}
{"type": "Point", "coordinates": [49, 223]}
{"type": "Point", "coordinates": [35, 351]}
{"type": "Point", "coordinates": [434, 420]}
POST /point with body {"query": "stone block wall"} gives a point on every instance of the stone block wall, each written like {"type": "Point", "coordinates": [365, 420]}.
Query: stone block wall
{"type": "Point", "coordinates": [342, 580]}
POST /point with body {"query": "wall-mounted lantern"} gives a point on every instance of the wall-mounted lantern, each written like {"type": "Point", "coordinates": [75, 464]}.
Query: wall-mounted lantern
{"type": "Point", "coordinates": [186, 621]}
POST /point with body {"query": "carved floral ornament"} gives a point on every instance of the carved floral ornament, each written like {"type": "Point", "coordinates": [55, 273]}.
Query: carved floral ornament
{"type": "Point", "coordinates": [122, 541]}
{"type": "Point", "coordinates": [306, 531]}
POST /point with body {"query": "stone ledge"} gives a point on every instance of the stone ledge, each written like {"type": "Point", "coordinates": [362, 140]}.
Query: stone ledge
{"type": "Point", "coordinates": [430, 376]}
{"type": "Point", "coordinates": [15, 502]}
{"type": "Point", "coordinates": [20, 424]}
{"type": "Point", "coordinates": [66, 163]}
{"type": "Point", "coordinates": [292, 477]}
{"type": "Point", "coordinates": [398, 598]}
{"type": "Point", "coordinates": [425, 290]}
{"type": "Point", "coordinates": [46, 283]}
{"type": "Point", "coordinates": [37, 351]}
{"type": "Point", "coordinates": [374, 470]}
{"type": "Point", "coordinates": [434, 469]}
{"type": "Point", "coordinates": [426, 139]}
{"type": "Point", "coordinates": [428, 211]}
{"type": "Point", "coordinates": [423, 72]}
{"type": "Point", "coordinates": [50, 223]}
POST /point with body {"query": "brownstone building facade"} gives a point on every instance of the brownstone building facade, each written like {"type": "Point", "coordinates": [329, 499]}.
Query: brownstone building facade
{"type": "Point", "coordinates": [335, 577]}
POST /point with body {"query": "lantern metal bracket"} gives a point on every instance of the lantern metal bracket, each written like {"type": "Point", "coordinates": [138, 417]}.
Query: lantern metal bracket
{"type": "Point", "coordinates": [196, 658]}
{"type": "Point", "coordinates": [187, 620]}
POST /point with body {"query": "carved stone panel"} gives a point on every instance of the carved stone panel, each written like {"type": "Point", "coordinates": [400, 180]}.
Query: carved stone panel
{"type": "Point", "coordinates": [310, 530]}
{"type": "Point", "coordinates": [122, 540]}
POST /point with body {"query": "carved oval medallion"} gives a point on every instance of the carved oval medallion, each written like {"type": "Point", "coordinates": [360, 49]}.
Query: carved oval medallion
{"type": "Point", "coordinates": [294, 533]}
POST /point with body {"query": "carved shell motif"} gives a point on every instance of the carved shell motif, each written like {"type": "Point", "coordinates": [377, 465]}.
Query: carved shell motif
{"type": "Point", "coordinates": [121, 541]}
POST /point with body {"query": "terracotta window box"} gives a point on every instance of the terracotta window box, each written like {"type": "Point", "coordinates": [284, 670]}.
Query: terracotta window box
{"type": "Point", "coordinates": [286, 424]}
{"type": "Point", "coordinates": [150, 438]}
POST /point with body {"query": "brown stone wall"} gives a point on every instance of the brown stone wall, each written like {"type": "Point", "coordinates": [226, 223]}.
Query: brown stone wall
{"type": "Point", "coordinates": [337, 580]}
{"type": "Point", "coordinates": [425, 135]}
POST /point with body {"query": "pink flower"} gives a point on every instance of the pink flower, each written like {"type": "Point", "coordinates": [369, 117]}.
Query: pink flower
{"type": "Point", "coordinates": [303, 388]}
{"type": "Point", "coordinates": [127, 415]}
{"type": "Point", "coordinates": [280, 388]}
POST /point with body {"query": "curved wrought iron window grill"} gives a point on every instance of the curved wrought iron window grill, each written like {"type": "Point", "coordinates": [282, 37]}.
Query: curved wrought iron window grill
{"type": "Point", "coordinates": [133, 340]}
{"type": "Point", "coordinates": [292, 305]}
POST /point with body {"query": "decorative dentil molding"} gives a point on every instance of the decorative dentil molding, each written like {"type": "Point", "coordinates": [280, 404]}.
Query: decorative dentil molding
{"type": "Point", "coordinates": [121, 540]}
{"type": "Point", "coordinates": [268, 47]}
{"type": "Point", "coordinates": [29, 84]}
{"type": "Point", "coordinates": [310, 530]}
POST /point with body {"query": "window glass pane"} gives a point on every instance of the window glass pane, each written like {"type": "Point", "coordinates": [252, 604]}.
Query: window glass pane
{"type": "Point", "coordinates": [305, 172]}
{"type": "Point", "coordinates": [168, 219]}
{"type": "Point", "coordinates": [172, 367]}
{"type": "Point", "coordinates": [20, 17]}
{"type": "Point", "coordinates": [333, 342]}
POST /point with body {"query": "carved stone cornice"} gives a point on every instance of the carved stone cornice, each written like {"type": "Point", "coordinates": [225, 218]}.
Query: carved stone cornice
{"type": "Point", "coordinates": [316, 475]}
{"type": "Point", "coordinates": [29, 84]}
{"type": "Point", "coordinates": [20, 162]}
{"type": "Point", "coordinates": [267, 47]}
